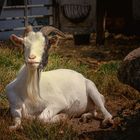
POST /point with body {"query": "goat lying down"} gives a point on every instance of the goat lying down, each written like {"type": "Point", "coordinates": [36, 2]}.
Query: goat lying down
{"type": "Point", "coordinates": [50, 95]}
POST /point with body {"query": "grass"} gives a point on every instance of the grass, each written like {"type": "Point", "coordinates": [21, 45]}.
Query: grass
{"type": "Point", "coordinates": [10, 62]}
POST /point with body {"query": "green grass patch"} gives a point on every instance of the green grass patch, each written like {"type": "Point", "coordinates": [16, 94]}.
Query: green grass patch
{"type": "Point", "coordinates": [109, 68]}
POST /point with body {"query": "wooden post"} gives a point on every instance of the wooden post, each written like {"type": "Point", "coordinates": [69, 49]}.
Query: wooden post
{"type": "Point", "coordinates": [1, 5]}
{"type": "Point", "coordinates": [100, 22]}
{"type": "Point", "coordinates": [56, 13]}
{"type": "Point", "coordinates": [26, 13]}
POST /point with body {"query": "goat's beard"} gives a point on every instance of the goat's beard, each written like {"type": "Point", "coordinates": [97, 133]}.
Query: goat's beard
{"type": "Point", "coordinates": [33, 100]}
{"type": "Point", "coordinates": [33, 85]}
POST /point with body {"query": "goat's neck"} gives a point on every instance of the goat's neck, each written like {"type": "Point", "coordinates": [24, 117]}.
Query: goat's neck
{"type": "Point", "coordinates": [29, 79]}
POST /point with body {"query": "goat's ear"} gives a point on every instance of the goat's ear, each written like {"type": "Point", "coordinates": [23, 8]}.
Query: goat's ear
{"type": "Point", "coordinates": [18, 41]}
{"type": "Point", "coordinates": [53, 40]}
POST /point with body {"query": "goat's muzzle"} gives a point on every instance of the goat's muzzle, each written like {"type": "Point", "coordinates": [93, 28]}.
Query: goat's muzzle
{"type": "Point", "coordinates": [32, 64]}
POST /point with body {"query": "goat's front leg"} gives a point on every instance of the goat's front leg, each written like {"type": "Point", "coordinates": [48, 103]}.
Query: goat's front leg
{"type": "Point", "coordinates": [48, 114]}
{"type": "Point", "coordinates": [16, 114]}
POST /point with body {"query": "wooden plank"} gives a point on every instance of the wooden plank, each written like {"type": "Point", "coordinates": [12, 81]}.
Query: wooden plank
{"type": "Point", "coordinates": [26, 13]}
{"type": "Point", "coordinates": [21, 28]}
{"type": "Point", "coordinates": [34, 16]}
{"type": "Point", "coordinates": [18, 28]}
{"type": "Point", "coordinates": [56, 14]}
{"type": "Point", "coordinates": [29, 6]}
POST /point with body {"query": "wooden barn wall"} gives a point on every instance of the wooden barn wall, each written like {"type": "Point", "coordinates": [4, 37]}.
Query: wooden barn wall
{"type": "Point", "coordinates": [86, 26]}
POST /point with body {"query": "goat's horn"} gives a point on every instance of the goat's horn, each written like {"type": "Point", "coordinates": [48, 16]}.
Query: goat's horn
{"type": "Point", "coordinates": [49, 29]}
{"type": "Point", "coordinates": [27, 30]}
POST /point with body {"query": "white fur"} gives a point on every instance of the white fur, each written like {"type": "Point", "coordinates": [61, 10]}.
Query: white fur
{"type": "Point", "coordinates": [60, 91]}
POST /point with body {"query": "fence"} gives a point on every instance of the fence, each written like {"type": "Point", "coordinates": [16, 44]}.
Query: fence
{"type": "Point", "coordinates": [17, 17]}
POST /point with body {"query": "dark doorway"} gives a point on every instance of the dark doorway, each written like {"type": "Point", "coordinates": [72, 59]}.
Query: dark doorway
{"type": "Point", "coordinates": [118, 15]}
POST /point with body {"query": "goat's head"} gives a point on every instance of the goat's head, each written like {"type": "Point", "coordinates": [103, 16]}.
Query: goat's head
{"type": "Point", "coordinates": [36, 45]}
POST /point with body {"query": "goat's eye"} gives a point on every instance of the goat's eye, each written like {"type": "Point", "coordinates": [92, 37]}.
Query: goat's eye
{"type": "Point", "coordinates": [26, 48]}
{"type": "Point", "coordinates": [27, 43]}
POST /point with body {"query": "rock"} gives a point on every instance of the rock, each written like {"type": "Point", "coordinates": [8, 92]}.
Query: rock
{"type": "Point", "coordinates": [129, 71]}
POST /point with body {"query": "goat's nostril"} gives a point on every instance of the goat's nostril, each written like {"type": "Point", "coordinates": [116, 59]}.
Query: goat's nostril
{"type": "Point", "coordinates": [32, 56]}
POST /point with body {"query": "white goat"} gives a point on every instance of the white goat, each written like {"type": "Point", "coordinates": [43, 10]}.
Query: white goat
{"type": "Point", "coordinates": [48, 95]}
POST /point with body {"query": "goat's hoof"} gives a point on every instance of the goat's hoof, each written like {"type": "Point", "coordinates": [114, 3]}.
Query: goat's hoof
{"type": "Point", "coordinates": [106, 123]}
{"type": "Point", "coordinates": [95, 114]}
{"type": "Point", "coordinates": [14, 127]}
{"type": "Point", "coordinates": [85, 118]}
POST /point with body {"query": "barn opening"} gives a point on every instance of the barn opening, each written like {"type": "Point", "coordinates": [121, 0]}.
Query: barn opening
{"type": "Point", "coordinates": [119, 16]}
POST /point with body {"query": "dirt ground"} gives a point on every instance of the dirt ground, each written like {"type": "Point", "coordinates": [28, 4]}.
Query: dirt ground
{"type": "Point", "coordinates": [126, 113]}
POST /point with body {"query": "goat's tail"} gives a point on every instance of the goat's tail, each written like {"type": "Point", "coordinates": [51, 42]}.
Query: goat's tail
{"type": "Point", "coordinates": [97, 98]}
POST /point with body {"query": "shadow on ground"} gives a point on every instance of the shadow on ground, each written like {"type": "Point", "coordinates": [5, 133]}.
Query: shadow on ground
{"type": "Point", "coordinates": [126, 127]}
